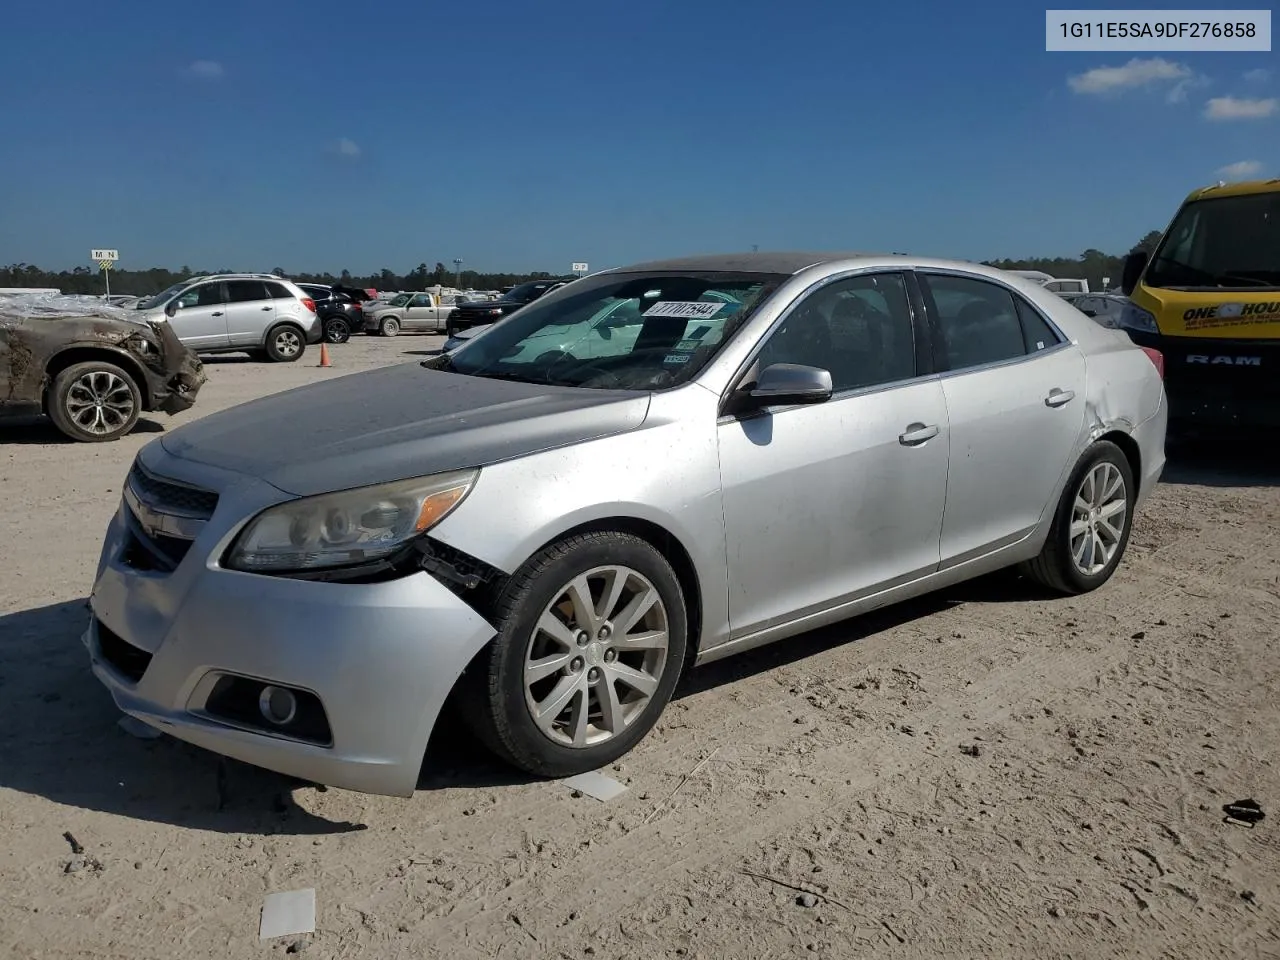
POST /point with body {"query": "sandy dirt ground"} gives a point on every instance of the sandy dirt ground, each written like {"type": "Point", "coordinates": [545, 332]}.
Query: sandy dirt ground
{"type": "Point", "coordinates": [986, 773]}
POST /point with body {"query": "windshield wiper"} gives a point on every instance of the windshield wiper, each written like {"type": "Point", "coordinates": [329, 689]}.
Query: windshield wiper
{"type": "Point", "coordinates": [1237, 278]}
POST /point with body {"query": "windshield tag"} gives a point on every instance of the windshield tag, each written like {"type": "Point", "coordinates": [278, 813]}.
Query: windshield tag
{"type": "Point", "coordinates": [695, 309]}
{"type": "Point", "coordinates": [676, 358]}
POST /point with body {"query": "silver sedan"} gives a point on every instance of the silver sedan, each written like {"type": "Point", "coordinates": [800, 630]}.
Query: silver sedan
{"type": "Point", "coordinates": [561, 517]}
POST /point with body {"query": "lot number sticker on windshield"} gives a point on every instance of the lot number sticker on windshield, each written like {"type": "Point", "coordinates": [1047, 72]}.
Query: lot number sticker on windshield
{"type": "Point", "coordinates": [693, 310]}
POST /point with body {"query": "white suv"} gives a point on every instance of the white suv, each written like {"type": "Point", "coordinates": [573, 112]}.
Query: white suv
{"type": "Point", "coordinates": [258, 313]}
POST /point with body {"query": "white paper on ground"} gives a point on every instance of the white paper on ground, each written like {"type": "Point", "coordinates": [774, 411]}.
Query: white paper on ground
{"type": "Point", "coordinates": [288, 914]}
{"type": "Point", "coordinates": [596, 784]}
{"type": "Point", "coordinates": [136, 728]}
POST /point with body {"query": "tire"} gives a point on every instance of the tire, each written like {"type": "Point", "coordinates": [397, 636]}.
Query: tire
{"type": "Point", "coordinates": [285, 344]}
{"type": "Point", "coordinates": [94, 402]}
{"type": "Point", "coordinates": [337, 330]}
{"type": "Point", "coordinates": [500, 704]}
{"type": "Point", "coordinates": [389, 327]}
{"type": "Point", "coordinates": [1057, 566]}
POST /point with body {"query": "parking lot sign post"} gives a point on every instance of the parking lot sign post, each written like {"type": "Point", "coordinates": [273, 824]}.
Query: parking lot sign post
{"type": "Point", "coordinates": [105, 260]}
{"type": "Point", "coordinates": [580, 269]}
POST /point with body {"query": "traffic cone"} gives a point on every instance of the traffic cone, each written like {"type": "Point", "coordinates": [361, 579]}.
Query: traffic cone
{"type": "Point", "coordinates": [324, 355]}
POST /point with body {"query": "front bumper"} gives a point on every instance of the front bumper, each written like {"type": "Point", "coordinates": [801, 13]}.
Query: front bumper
{"type": "Point", "coordinates": [381, 658]}
{"type": "Point", "coordinates": [1219, 383]}
{"type": "Point", "coordinates": [178, 376]}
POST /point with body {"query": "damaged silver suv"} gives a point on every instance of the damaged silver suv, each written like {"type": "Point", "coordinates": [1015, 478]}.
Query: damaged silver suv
{"type": "Point", "coordinates": [92, 368]}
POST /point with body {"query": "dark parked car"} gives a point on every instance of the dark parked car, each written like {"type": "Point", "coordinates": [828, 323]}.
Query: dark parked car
{"type": "Point", "coordinates": [340, 309]}
{"type": "Point", "coordinates": [473, 313]}
{"type": "Point", "coordinates": [90, 367]}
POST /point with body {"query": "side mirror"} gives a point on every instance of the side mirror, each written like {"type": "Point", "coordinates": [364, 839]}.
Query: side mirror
{"type": "Point", "coordinates": [1134, 264]}
{"type": "Point", "coordinates": [789, 383]}
{"type": "Point", "coordinates": [174, 306]}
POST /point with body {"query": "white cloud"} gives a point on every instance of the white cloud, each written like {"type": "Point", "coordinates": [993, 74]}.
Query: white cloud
{"type": "Point", "coordinates": [347, 148]}
{"type": "Point", "coordinates": [1178, 92]}
{"type": "Point", "coordinates": [1261, 75]}
{"type": "Point", "coordinates": [1243, 170]}
{"type": "Point", "coordinates": [205, 69]}
{"type": "Point", "coordinates": [1134, 74]}
{"type": "Point", "coordinates": [1237, 108]}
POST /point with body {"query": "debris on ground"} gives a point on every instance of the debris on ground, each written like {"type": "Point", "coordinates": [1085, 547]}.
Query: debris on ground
{"type": "Point", "coordinates": [1246, 812]}
{"type": "Point", "coordinates": [288, 914]}
{"type": "Point", "coordinates": [807, 900]}
{"type": "Point", "coordinates": [596, 784]}
{"type": "Point", "coordinates": [76, 846]}
{"type": "Point", "coordinates": [971, 750]}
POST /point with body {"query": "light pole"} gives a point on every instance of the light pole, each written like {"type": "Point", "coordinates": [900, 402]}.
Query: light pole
{"type": "Point", "coordinates": [457, 272]}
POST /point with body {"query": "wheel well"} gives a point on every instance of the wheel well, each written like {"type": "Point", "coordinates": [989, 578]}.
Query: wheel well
{"type": "Point", "coordinates": [283, 323]}
{"type": "Point", "coordinates": [672, 550]}
{"type": "Point", "coordinates": [1129, 447]}
{"type": "Point", "coordinates": [74, 355]}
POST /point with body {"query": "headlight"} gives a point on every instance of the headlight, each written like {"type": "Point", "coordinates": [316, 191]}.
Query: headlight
{"type": "Point", "coordinates": [349, 527]}
{"type": "Point", "coordinates": [1135, 318]}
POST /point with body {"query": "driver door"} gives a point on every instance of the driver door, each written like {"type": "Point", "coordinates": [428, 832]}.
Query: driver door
{"type": "Point", "coordinates": [420, 314]}
{"type": "Point", "coordinates": [201, 318]}
{"type": "Point", "coordinates": [830, 502]}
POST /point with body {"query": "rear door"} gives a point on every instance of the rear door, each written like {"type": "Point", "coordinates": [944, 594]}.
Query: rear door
{"type": "Point", "coordinates": [201, 318]}
{"type": "Point", "coordinates": [1015, 395]}
{"type": "Point", "coordinates": [250, 312]}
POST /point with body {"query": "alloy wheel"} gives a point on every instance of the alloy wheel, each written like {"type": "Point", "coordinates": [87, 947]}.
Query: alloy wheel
{"type": "Point", "coordinates": [596, 656]}
{"type": "Point", "coordinates": [99, 402]}
{"type": "Point", "coordinates": [288, 343]}
{"type": "Point", "coordinates": [1099, 514]}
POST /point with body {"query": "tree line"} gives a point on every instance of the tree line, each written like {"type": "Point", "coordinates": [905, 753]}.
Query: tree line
{"type": "Point", "coordinates": [1092, 265]}
{"type": "Point", "coordinates": [146, 282]}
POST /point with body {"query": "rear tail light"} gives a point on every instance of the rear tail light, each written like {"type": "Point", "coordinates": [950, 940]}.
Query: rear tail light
{"type": "Point", "coordinates": [309, 304]}
{"type": "Point", "coordinates": [1157, 358]}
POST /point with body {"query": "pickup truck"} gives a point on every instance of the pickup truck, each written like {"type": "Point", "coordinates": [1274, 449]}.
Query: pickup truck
{"type": "Point", "coordinates": [477, 313]}
{"type": "Point", "coordinates": [410, 312]}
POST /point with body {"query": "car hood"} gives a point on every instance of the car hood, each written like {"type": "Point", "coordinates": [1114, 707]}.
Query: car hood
{"type": "Point", "coordinates": [398, 422]}
{"type": "Point", "coordinates": [483, 306]}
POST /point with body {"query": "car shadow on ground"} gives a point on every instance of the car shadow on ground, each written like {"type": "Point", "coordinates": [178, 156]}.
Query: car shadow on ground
{"type": "Point", "coordinates": [59, 739]}
{"type": "Point", "coordinates": [1222, 461]}
{"type": "Point", "coordinates": [40, 430]}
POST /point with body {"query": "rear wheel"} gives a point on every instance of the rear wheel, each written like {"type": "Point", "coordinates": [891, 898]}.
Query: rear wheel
{"type": "Point", "coordinates": [591, 640]}
{"type": "Point", "coordinates": [337, 330]}
{"type": "Point", "coordinates": [94, 401]}
{"type": "Point", "coordinates": [285, 344]}
{"type": "Point", "coordinates": [1091, 527]}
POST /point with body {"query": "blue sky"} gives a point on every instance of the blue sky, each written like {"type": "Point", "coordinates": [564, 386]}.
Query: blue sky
{"type": "Point", "coordinates": [521, 136]}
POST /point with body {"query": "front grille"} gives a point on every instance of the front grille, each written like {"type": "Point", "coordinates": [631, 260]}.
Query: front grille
{"type": "Point", "coordinates": [128, 660]}
{"type": "Point", "coordinates": [165, 496]}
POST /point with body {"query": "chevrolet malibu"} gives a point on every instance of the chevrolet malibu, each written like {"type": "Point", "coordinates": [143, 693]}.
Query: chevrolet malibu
{"type": "Point", "coordinates": [552, 537]}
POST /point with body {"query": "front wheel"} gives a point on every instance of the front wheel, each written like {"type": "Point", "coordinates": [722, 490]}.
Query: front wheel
{"type": "Point", "coordinates": [94, 401]}
{"type": "Point", "coordinates": [390, 327]}
{"type": "Point", "coordinates": [591, 641]}
{"type": "Point", "coordinates": [1092, 524]}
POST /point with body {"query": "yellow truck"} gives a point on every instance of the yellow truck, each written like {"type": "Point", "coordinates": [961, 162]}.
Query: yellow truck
{"type": "Point", "coordinates": [1208, 298]}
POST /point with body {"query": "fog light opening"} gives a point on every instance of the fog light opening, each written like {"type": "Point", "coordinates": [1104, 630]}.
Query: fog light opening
{"type": "Point", "coordinates": [277, 705]}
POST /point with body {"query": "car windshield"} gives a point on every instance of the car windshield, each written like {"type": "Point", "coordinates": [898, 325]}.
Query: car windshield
{"type": "Point", "coordinates": [1231, 242]}
{"type": "Point", "coordinates": [617, 332]}
{"type": "Point", "coordinates": [523, 292]}
{"type": "Point", "coordinates": [400, 300]}
{"type": "Point", "coordinates": [160, 299]}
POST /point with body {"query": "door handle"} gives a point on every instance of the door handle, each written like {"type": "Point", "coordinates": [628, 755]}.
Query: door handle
{"type": "Point", "coordinates": [1059, 398]}
{"type": "Point", "coordinates": [268, 308]}
{"type": "Point", "coordinates": [918, 433]}
{"type": "Point", "coordinates": [218, 314]}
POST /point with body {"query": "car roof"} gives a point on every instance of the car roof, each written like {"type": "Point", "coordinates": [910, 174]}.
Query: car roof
{"type": "Point", "coordinates": [794, 262]}
{"type": "Point", "coordinates": [1243, 188]}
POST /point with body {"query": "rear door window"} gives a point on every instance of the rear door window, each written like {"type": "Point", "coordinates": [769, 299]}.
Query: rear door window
{"type": "Point", "coordinates": [245, 291]}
